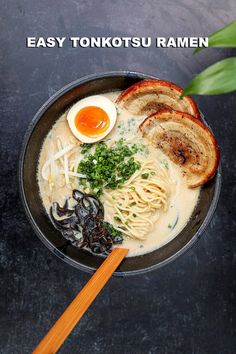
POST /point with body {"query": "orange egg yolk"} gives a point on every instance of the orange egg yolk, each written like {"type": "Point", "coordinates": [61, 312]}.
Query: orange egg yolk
{"type": "Point", "coordinates": [92, 121]}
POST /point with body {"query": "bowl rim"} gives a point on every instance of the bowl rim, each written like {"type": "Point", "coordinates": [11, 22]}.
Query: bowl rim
{"type": "Point", "coordinates": [39, 233]}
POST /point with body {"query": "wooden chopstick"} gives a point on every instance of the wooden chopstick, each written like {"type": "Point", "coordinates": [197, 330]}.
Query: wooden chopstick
{"type": "Point", "coordinates": [65, 324]}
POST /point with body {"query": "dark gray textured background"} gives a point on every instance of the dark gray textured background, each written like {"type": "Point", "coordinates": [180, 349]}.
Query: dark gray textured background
{"type": "Point", "coordinates": [185, 307]}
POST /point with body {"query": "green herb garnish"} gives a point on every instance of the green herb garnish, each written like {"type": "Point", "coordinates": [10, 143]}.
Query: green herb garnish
{"type": "Point", "coordinates": [85, 148]}
{"type": "Point", "coordinates": [145, 175]}
{"type": "Point", "coordinates": [115, 234]}
{"type": "Point", "coordinates": [108, 167]}
{"type": "Point", "coordinates": [165, 163]}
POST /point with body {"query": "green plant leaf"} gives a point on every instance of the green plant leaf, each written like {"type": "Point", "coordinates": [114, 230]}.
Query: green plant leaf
{"type": "Point", "coordinates": [216, 79]}
{"type": "Point", "coordinates": [224, 38]}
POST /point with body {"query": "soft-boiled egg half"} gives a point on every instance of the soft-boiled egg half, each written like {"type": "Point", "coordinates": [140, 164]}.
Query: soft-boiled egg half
{"type": "Point", "coordinates": [92, 118]}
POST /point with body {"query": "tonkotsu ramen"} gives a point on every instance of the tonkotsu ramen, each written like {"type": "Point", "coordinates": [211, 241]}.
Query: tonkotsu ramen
{"type": "Point", "coordinates": [126, 168]}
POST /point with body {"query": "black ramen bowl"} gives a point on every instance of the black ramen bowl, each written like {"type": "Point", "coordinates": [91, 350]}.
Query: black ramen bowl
{"type": "Point", "coordinates": [79, 258]}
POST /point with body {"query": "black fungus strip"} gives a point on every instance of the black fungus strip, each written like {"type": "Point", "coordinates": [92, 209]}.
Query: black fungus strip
{"type": "Point", "coordinates": [63, 211]}
{"type": "Point", "coordinates": [87, 219]}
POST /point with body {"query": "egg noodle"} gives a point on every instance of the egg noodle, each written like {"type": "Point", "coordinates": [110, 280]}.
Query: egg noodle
{"type": "Point", "coordinates": [137, 204]}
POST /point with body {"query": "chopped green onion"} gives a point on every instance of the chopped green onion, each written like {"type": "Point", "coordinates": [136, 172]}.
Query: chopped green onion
{"type": "Point", "coordinates": [106, 167]}
{"type": "Point", "coordinates": [145, 175]}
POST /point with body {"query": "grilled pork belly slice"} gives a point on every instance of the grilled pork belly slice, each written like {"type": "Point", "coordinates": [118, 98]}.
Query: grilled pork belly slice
{"type": "Point", "coordinates": [149, 96]}
{"type": "Point", "coordinates": [187, 141]}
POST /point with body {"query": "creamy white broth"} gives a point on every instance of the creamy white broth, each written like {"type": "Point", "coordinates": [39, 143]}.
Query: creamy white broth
{"type": "Point", "coordinates": [182, 200]}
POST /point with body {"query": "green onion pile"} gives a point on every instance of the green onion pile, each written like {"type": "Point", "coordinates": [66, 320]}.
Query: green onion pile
{"type": "Point", "coordinates": [106, 167]}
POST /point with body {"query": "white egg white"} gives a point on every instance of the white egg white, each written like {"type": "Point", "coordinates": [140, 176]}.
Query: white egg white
{"type": "Point", "coordinates": [98, 101]}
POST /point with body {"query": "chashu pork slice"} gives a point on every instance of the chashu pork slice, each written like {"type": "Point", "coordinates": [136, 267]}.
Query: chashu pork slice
{"type": "Point", "coordinates": [149, 96]}
{"type": "Point", "coordinates": [187, 141]}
